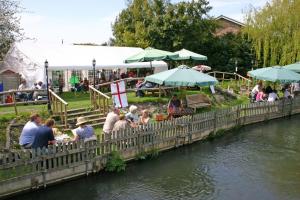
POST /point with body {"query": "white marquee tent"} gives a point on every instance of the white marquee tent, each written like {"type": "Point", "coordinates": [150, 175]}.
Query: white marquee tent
{"type": "Point", "coordinates": [27, 58]}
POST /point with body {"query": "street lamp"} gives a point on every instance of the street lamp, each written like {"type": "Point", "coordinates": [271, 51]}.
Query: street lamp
{"type": "Point", "coordinates": [236, 68]}
{"type": "Point", "coordinates": [47, 85]}
{"type": "Point", "coordinates": [94, 66]}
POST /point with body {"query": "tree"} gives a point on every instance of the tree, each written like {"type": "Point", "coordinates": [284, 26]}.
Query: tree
{"type": "Point", "coordinates": [226, 50]}
{"type": "Point", "coordinates": [10, 30]}
{"type": "Point", "coordinates": [275, 32]}
{"type": "Point", "coordinates": [163, 25]}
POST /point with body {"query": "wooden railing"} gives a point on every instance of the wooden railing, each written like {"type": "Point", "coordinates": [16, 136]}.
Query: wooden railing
{"type": "Point", "coordinates": [26, 169]}
{"type": "Point", "coordinates": [59, 107]}
{"type": "Point", "coordinates": [13, 95]}
{"type": "Point", "coordinates": [130, 82]}
{"type": "Point", "coordinates": [227, 76]}
{"type": "Point", "coordinates": [99, 101]}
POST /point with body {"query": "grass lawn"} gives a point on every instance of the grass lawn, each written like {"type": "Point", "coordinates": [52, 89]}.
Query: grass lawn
{"type": "Point", "coordinates": [82, 100]}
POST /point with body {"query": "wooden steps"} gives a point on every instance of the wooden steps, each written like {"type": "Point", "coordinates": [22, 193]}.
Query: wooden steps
{"type": "Point", "coordinates": [93, 117]}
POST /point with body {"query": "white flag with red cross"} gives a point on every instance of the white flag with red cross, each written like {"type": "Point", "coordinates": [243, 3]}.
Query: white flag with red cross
{"type": "Point", "coordinates": [118, 92]}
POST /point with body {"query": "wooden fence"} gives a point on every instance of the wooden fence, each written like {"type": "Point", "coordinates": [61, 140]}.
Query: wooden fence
{"type": "Point", "coordinates": [25, 170]}
{"type": "Point", "coordinates": [9, 98]}
{"type": "Point", "coordinates": [59, 107]}
{"type": "Point", "coordinates": [227, 76]}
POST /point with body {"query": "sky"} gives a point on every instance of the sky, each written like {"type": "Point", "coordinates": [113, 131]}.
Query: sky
{"type": "Point", "coordinates": [80, 21]}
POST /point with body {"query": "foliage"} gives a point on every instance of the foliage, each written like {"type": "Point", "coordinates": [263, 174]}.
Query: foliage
{"type": "Point", "coordinates": [163, 25]}
{"type": "Point", "coordinates": [226, 50]}
{"type": "Point", "coordinates": [167, 26]}
{"type": "Point", "coordinates": [275, 32]}
{"type": "Point", "coordinates": [115, 163]}
{"type": "Point", "coordinates": [10, 30]}
{"type": "Point", "coordinates": [154, 152]}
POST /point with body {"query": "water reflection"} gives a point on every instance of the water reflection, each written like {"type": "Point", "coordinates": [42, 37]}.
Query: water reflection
{"type": "Point", "coordinates": [261, 161]}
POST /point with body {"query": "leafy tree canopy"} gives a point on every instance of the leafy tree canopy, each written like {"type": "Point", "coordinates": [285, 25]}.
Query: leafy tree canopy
{"type": "Point", "coordinates": [275, 32]}
{"type": "Point", "coordinates": [163, 25]}
{"type": "Point", "coordinates": [10, 30]}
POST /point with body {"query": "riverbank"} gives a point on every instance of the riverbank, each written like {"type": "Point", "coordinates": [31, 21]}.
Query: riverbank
{"type": "Point", "coordinates": [259, 161]}
{"type": "Point", "coordinates": [68, 161]}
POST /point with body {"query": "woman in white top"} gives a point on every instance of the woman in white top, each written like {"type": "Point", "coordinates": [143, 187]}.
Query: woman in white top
{"type": "Point", "coordinates": [273, 96]}
{"type": "Point", "coordinates": [255, 90]}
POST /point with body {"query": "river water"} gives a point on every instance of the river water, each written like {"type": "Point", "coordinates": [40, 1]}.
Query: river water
{"type": "Point", "coordinates": [260, 161]}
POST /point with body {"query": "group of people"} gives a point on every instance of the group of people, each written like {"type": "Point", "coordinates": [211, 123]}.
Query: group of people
{"type": "Point", "coordinates": [116, 120]}
{"type": "Point", "coordinates": [34, 95]}
{"type": "Point", "coordinates": [37, 135]}
{"type": "Point", "coordinates": [259, 93]}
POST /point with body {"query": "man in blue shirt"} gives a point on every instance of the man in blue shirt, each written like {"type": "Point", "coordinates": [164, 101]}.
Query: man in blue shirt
{"type": "Point", "coordinates": [29, 131]}
{"type": "Point", "coordinates": [44, 135]}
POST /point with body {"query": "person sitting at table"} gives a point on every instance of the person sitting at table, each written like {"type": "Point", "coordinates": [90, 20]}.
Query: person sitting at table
{"type": "Point", "coordinates": [122, 123]}
{"type": "Point", "coordinates": [111, 118]}
{"type": "Point", "coordinates": [23, 95]}
{"type": "Point", "coordinates": [29, 131]}
{"type": "Point", "coordinates": [286, 92]}
{"type": "Point", "coordinates": [255, 90]}
{"type": "Point", "coordinates": [260, 96]}
{"type": "Point", "coordinates": [139, 92]}
{"type": "Point", "coordinates": [44, 135]}
{"type": "Point", "coordinates": [144, 119]}
{"type": "Point", "coordinates": [273, 96]}
{"type": "Point", "coordinates": [132, 114]}
{"type": "Point", "coordinates": [174, 107]}
{"type": "Point", "coordinates": [83, 132]}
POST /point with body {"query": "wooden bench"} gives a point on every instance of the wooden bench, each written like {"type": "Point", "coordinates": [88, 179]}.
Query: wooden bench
{"type": "Point", "coordinates": [197, 101]}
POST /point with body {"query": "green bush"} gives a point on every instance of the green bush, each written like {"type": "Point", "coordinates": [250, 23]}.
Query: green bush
{"type": "Point", "coordinates": [115, 163]}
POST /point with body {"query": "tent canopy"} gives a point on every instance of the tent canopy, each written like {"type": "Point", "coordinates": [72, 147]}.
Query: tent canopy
{"type": "Point", "coordinates": [79, 57]}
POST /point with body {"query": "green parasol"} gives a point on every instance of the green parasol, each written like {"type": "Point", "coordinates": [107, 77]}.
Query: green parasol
{"type": "Point", "coordinates": [182, 76]}
{"type": "Point", "coordinates": [294, 67]}
{"type": "Point", "coordinates": [150, 54]}
{"type": "Point", "coordinates": [189, 55]}
{"type": "Point", "coordinates": [274, 74]}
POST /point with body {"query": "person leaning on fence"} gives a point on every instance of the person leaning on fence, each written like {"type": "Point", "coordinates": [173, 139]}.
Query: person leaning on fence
{"type": "Point", "coordinates": [44, 135]}
{"type": "Point", "coordinates": [83, 132]}
{"type": "Point", "coordinates": [29, 131]}
{"type": "Point", "coordinates": [111, 118]}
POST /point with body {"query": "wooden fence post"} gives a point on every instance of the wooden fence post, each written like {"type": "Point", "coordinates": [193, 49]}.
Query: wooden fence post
{"type": "Point", "coordinates": [215, 122]}
{"type": "Point", "coordinates": [15, 103]}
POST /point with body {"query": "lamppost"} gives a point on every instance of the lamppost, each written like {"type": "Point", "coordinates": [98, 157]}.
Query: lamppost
{"type": "Point", "coordinates": [94, 74]}
{"type": "Point", "coordinates": [236, 68]}
{"type": "Point", "coordinates": [47, 85]}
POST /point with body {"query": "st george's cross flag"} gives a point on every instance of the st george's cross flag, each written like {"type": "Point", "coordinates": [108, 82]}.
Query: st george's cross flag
{"type": "Point", "coordinates": [118, 92]}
